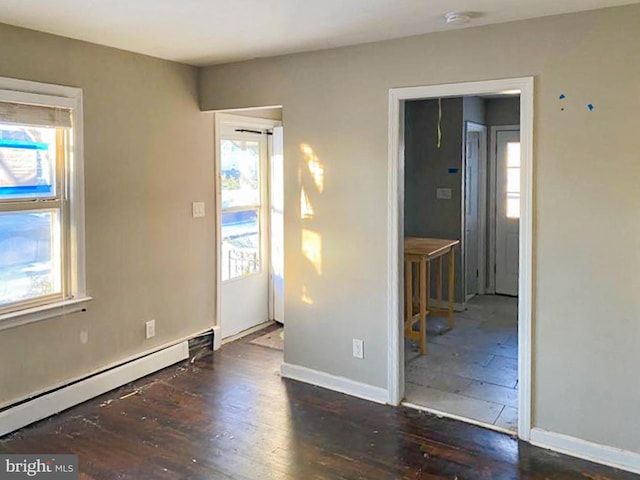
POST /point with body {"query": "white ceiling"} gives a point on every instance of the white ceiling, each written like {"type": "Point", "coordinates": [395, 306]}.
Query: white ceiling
{"type": "Point", "coordinates": [205, 32]}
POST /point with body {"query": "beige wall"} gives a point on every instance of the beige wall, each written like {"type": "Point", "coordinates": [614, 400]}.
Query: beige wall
{"type": "Point", "coordinates": [148, 155]}
{"type": "Point", "coordinates": [587, 202]}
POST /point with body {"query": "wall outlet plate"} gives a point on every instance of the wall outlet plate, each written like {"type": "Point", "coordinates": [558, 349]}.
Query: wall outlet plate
{"type": "Point", "coordinates": [358, 348]}
{"type": "Point", "coordinates": [443, 193]}
{"type": "Point", "coordinates": [150, 328]}
{"type": "Point", "coordinates": [198, 209]}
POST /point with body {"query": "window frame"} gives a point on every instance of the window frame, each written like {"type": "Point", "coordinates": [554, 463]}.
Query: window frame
{"type": "Point", "coordinates": [74, 295]}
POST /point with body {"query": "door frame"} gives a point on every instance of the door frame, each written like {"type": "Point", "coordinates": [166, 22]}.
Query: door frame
{"type": "Point", "coordinates": [395, 227]}
{"type": "Point", "coordinates": [220, 120]}
{"type": "Point", "coordinates": [492, 197]}
{"type": "Point", "coordinates": [470, 126]}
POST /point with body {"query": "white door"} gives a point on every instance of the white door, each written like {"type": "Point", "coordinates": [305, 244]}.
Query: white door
{"type": "Point", "coordinates": [276, 187]}
{"type": "Point", "coordinates": [471, 213]}
{"type": "Point", "coordinates": [244, 228]}
{"type": "Point", "coordinates": [507, 211]}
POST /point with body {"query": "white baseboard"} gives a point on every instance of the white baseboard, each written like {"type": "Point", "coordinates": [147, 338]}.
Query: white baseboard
{"type": "Point", "coordinates": [49, 404]}
{"type": "Point", "coordinates": [332, 382]}
{"type": "Point", "coordinates": [594, 452]}
{"type": "Point", "coordinates": [217, 338]}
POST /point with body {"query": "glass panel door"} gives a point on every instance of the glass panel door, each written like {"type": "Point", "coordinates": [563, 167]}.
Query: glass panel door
{"type": "Point", "coordinates": [240, 173]}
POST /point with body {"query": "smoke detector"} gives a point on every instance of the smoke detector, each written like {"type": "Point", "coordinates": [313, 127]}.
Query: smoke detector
{"type": "Point", "coordinates": [457, 18]}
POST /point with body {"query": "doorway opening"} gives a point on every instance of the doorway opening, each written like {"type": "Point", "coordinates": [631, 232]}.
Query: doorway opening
{"type": "Point", "coordinates": [460, 331]}
{"type": "Point", "coordinates": [249, 222]}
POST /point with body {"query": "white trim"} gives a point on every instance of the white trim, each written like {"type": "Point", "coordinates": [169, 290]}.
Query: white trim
{"type": "Point", "coordinates": [482, 201]}
{"type": "Point", "coordinates": [594, 452]}
{"type": "Point", "coordinates": [395, 215]}
{"type": "Point", "coordinates": [244, 109]}
{"type": "Point", "coordinates": [228, 119]}
{"type": "Point", "coordinates": [131, 358]}
{"type": "Point", "coordinates": [222, 120]}
{"type": "Point", "coordinates": [333, 382]}
{"type": "Point", "coordinates": [217, 338]}
{"type": "Point", "coordinates": [525, 268]}
{"type": "Point", "coordinates": [37, 87]}
{"type": "Point", "coordinates": [49, 404]}
{"type": "Point", "coordinates": [276, 223]}
{"type": "Point", "coordinates": [76, 204]}
{"type": "Point", "coordinates": [395, 195]}
{"type": "Point", "coordinates": [453, 416]}
{"type": "Point", "coordinates": [13, 96]}
{"type": "Point", "coordinates": [42, 312]}
{"type": "Point", "coordinates": [493, 145]}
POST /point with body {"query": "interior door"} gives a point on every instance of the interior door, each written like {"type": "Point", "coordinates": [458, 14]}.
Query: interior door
{"type": "Point", "coordinates": [244, 227]}
{"type": "Point", "coordinates": [276, 187]}
{"type": "Point", "coordinates": [471, 213]}
{"type": "Point", "coordinates": [507, 211]}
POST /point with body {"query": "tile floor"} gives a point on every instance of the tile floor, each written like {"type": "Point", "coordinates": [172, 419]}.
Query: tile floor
{"type": "Point", "coordinates": [472, 370]}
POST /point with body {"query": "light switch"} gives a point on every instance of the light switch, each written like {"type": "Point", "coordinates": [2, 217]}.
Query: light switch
{"type": "Point", "coordinates": [198, 209]}
{"type": "Point", "coordinates": [443, 193]}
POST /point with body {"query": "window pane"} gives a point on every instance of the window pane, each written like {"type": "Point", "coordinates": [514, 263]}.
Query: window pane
{"type": "Point", "coordinates": [513, 180]}
{"type": "Point", "coordinates": [513, 205]}
{"type": "Point", "coordinates": [29, 255]}
{"type": "Point", "coordinates": [240, 172]}
{"type": "Point", "coordinates": [27, 162]}
{"type": "Point", "coordinates": [513, 154]}
{"type": "Point", "coordinates": [240, 243]}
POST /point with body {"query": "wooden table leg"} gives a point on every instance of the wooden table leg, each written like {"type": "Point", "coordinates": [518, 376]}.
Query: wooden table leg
{"type": "Point", "coordinates": [452, 266]}
{"type": "Point", "coordinates": [408, 293]}
{"type": "Point", "coordinates": [439, 305]}
{"type": "Point", "coordinates": [424, 285]}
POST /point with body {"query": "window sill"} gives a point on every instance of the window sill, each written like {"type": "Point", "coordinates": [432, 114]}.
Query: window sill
{"type": "Point", "coordinates": [36, 314]}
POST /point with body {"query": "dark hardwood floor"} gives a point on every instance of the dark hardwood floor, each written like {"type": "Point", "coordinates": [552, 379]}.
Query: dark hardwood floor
{"type": "Point", "coordinates": [231, 416]}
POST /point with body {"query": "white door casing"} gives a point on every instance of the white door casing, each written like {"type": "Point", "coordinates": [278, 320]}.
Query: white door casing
{"type": "Point", "coordinates": [395, 227]}
{"type": "Point", "coordinates": [471, 213]}
{"type": "Point", "coordinates": [507, 211]}
{"type": "Point", "coordinates": [276, 182]}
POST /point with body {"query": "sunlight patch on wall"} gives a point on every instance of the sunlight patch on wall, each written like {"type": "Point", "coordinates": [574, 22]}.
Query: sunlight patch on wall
{"type": "Point", "coordinates": [306, 209]}
{"type": "Point", "coordinates": [312, 249]}
{"type": "Point", "coordinates": [306, 298]}
{"type": "Point", "coordinates": [316, 169]}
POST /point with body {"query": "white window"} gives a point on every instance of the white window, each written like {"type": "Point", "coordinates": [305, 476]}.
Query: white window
{"type": "Point", "coordinates": [513, 180]}
{"type": "Point", "coordinates": [41, 201]}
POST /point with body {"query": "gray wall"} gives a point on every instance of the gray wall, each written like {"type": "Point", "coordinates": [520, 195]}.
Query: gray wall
{"type": "Point", "coordinates": [427, 168]}
{"type": "Point", "coordinates": [585, 330]}
{"type": "Point", "coordinates": [474, 110]}
{"type": "Point", "coordinates": [502, 111]}
{"type": "Point", "coordinates": [148, 155]}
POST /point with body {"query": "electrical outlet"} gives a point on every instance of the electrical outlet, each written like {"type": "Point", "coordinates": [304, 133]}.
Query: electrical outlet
{"type": "Point", "coordinates": [198, 209]}
{"type": "Point", "coordinates": [150, 328]}
{"type": "Point", "coordinates": [443, 193]}
{"type": "Point", "coordinates": [358, 348]}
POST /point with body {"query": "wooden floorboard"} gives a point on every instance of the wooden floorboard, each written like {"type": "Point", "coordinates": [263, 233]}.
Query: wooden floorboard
{"type": "Point", "coordinates": [230, 416]}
